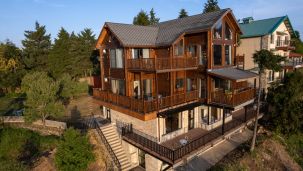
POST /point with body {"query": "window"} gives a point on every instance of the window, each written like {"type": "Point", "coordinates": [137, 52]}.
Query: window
{"type": "Point", "coordinates": [218, 31]}
{"type": "Point", "coordinates": [190, 84]}
{"type": "Point", "coordinates": [140, 53]}
{"type": "Point", "coordinates": [227, 54]}
{"type": "Point", "coordinates": [191, 119]}
{"type": "Point", "coordinates": [222, 84]}
{"type": "Point", "coordinates": [272, 38]}
{"type": "Point", "coordinates": [173, 122]}
{"type": "Point", "coordinates": [147, 88]}
{"type": "Point", "coordinates": [179, 83]}
{"type": "Point", "coordinates": [118, 86]}
{"type": "Point", "coordinates": [228, 32]}
{"type": "Point", "coordinates": [217, 55]}
{"type": "Point", "coordinates": [116, 58]}
{"type": "Point", "coordinates": [202, 55]}
{"type": "Point", "coordinates": [270, 76]}
{"type": "Point", "coordinates": [192, 49]}
{"type": "Point", "coordinates": [178, 48]}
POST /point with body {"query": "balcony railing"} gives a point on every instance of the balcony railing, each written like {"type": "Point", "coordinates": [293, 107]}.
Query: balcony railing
{"type": "Point", "coordinates": [142, 105]}
{"type": "Point", "coordinates": [162, 63]}
{"type": "Point", "coordinates": [285, 44]}
{"type": "Point", "coordinates": [233, 98]}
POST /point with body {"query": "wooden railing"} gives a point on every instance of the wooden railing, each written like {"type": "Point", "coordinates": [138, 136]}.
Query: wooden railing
{"type": "Point", "coordinates": [142, 105]}
{"type": "Point", "coordinates": [162, 63]}
{"type": "Point", "coordinates": [171, 155]}
{"type": "Point", "coordinates": [233, 98]}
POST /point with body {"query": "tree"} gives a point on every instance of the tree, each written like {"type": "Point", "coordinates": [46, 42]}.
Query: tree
{"type": "Point", "coordinates": [297, 42]}
{"type": "Point", "coordinates": [211, 6]}
{"type": "Point", "coordinates": [265, 60]}
{"type": "Point", "coordinates": [74, 152]}
{"type": "Point", "coordinates": [286, 104]}
{"type": "Point", "coordinates": [141, 19]}
{"type": "Point", "coordinates": [182, 13]}
{"type": "Point", "coordinates": [70, 88]}
{"type": "Point", "coordinates": [152, 19]}
{"type": "Point", "coordinates": [59, 58]}
{"type": "Point", "coordinates": [36, 48]}
{"type": "Point", "coordinates": [11, 68]}
{"type": "Point", "coordinates": [42, 100]}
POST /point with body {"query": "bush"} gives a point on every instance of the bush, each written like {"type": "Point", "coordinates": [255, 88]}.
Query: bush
{"type": "Point", "coordinates": [70, 88]}
{"type": "Point", "coordinates": [19, 146]}
{"type": "Point", "coordinates": [74, 152]}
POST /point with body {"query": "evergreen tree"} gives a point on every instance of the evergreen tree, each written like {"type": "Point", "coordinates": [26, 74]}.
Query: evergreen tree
{"type": "Point", "coordinates": [265, 60]}
{"type": "Point", "coordinates": [141, 19]}
{"type": "Point", "coordinates": [182, 13]}
{"type": "Point", "coordinates": [42, 99]}
{"type": "Point", "coordinates": [211, 6]}
{"type": "Point", "coordinates": [85, 54]}
{"type": "Point", "coordinates": [59, 59]}
{"type": "Point", "coordinates": [153, 20]}
{"type": "Point", "coordinates": [36, 48]}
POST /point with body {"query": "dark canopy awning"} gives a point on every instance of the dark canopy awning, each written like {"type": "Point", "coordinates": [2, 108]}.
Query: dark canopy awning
{"type": "Point", "coordinates": [179, 109]}
{"type": "Point", "coordinates": [233, 74]}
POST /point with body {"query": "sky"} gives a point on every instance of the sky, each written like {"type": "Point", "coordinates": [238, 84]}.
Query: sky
{"type": "Point", "coordinates": [16, 16]}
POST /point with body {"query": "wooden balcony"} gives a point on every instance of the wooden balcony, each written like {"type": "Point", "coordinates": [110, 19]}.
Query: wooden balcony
{"type": "Point", "coordinates": [233, 98]}
{"type": "Point", "coordinates": [142, 105]}
{"type": "Point", "coordinates": [153, 64]}
{"type": "Point", "coordinates": [172, 151]}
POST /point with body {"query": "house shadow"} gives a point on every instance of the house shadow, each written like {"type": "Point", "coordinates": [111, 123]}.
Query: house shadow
{"type": "Point", "coordinates": [75, 114]}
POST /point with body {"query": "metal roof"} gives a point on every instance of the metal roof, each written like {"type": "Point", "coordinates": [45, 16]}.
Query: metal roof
{"type": "Point", "coordinates": [263, 27]}
{"type": "Point", "coordinates": [233, 74]}
{"type": "Point", "coordinates": [163, 33]}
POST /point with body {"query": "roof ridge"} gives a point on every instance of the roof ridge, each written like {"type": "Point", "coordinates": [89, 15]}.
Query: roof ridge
{"type": "Point", "coordinates": [225, 9]}
{"type": "Point", "coordinates": [152, 26]}
{"type": "Point", "coordinates": [266, 19]}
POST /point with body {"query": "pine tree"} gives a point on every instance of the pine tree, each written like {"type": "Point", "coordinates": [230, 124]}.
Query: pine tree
{"type": "Point", "coordinates": [153, 20]}
{"type": "Point", "coordinates": [182, 13]}
{"type": "Point", "coordinates": [36, 48]}
{"type": "Point", "coordinates": [141, 19]}
{"type": "Point", "coordinates": [59, 59]}
{"type": "Point", "coordinates": [211, 6]}
{"type": "Point", "coordinates": [86, 40]}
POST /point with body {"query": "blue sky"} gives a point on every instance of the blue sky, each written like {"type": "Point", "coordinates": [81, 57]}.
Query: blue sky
{"type": "Point", "coordinates": [75, 15]}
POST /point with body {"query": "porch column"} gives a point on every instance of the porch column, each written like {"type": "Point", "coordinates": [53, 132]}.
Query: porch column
{"type": "Point", "coordinates": [245, 116]}
{"type": "Point", "coordinates": [208, 115]}
{"type": "Point", "coordinates": [223, 121]}
{"type": "Point", "coordinates": [157, 93]}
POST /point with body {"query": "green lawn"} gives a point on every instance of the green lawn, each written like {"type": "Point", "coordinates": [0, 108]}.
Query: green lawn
{"type": "Point", "coordinates": [19, 147]}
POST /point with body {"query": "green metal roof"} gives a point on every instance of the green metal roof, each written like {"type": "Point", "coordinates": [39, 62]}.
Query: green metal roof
{"type": "Point", "coordinates": [263, 27]}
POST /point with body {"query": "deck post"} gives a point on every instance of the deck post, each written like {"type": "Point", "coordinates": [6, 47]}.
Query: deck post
{"type": "Point", "coordinates": [223, 120]}
{"type": "Point", "coordinates": [208, 115]}
{"type": "Point", "coordinates": [245, 116]}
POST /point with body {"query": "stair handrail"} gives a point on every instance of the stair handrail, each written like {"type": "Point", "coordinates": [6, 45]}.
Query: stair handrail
{"type": "Point", "coordinates": [107, 145]}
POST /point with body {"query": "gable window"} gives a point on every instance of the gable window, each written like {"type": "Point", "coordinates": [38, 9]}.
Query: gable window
{"type": "Point", "coordinates": [140, 53]}
{"type": "Point", "coordinates": [228, 32]}
{"type": "Point", "coordinates": [227, 54]}
{"type": "Point", "coordinates": [217, 54]}
{"type": "Point", "coordinates": [118, 86]}
{"type": "Point", "coordinates": [116, 58]}
{"type": "Point", "coordinates": [178, 48]}
{"type": "Point", "coordinates": [218, 31]}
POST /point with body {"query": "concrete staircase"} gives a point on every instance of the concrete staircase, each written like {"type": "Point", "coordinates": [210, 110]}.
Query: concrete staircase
{"type": "Point", "coordinates": [112, 138]}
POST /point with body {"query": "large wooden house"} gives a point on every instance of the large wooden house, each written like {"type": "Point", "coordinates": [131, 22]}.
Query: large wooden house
{"type": "Point", "coordinates": [172, 88]}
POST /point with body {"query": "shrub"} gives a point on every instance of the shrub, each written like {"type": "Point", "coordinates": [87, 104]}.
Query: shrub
{"type": "Point", "coordinates": [74, 152]}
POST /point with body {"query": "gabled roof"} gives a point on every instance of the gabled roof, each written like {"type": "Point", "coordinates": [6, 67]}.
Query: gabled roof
{"type": "Point", "coordinates": [164, 33]}
{"type": "Point", "coordinates": [263, 27]}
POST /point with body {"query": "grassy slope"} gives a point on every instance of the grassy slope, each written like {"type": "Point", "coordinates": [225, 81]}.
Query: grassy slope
{"type": "Point", "coordinates": [19, 147]}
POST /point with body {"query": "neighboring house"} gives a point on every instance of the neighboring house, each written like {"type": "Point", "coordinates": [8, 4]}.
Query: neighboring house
{"type": "Point", "coordinates": [272, 34]}
{"type": "Point", "coordinates": [172, 89]}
